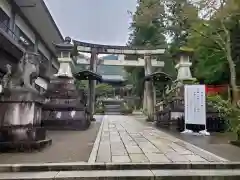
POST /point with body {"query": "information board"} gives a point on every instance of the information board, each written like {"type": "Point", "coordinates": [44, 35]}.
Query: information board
{"type": "Point", "coordinates": [195, 104]}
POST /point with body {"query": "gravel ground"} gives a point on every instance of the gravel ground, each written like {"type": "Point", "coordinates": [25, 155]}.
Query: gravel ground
{"type": "Point", "coordinates": [67, 146]}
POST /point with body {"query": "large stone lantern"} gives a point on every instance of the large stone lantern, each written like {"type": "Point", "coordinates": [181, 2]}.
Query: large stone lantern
{"type": "Point", "coordinates": [64, 108]}
{"type": "Point", "coordinates": [64, 51]}
{"type": "Point", "coordinates": [183, 64]}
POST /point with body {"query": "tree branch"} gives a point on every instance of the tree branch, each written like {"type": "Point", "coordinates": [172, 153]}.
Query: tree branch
{"type": "Point", "coordinates": [208, 37]}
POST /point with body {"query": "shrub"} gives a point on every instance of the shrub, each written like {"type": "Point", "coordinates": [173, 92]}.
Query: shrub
{"type": "Point", "coordinates": [100, 110]}
{"type": "Point", "coordinates": [226, 111]}
{"type": "Point", "coordinates": [126, 109]}
{"type": "Point", "coordinates": [99, 107]}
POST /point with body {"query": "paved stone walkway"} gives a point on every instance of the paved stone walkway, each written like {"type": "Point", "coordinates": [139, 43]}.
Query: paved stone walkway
{"type": "Point", "coordinates": [123, 139]}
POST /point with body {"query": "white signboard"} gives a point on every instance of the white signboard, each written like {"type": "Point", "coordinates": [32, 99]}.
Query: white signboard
{"type": "Point", "coordinates": [195, 104]}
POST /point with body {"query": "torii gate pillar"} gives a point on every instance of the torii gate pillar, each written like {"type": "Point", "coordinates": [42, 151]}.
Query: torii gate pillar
{"type": "Point", "coordinates": [148, 90]}
{"type": "Point", "coordinates": [92, 83]}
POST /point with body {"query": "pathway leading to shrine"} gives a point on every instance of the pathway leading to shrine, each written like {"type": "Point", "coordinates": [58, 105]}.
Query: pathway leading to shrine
{"type": "Point", "coordinates": [123, 139]}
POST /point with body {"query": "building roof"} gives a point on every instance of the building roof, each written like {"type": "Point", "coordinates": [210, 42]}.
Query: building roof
{"type": "Point", "coordinates": [40, 18]}
{"type": "Point", "coordinates": [158, 76]}
{"type": "Point", "coordinates": [114, 71]}
{"type": "Point", "coordinates": [113, 78]}
{"type": "Point", "coordinates": [110, 57]}
{"type": "Point", "coordinates": [87, 75]}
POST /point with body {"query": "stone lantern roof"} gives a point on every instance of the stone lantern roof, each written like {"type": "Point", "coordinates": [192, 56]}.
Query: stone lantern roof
{"type": "Point", "coordinates": [65, 45]}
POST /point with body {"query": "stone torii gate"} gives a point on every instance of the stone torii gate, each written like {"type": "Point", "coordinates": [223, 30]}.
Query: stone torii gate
{"type": "Point", "coordinates": [95, 49]}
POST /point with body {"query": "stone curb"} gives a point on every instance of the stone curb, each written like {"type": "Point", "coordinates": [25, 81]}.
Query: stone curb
{"type": "Point", "coordinates": [127, 175]}
{"type": "Point", "coordinates": [111, 166]}
{"type": "Point", "coordinates": [93, 155]}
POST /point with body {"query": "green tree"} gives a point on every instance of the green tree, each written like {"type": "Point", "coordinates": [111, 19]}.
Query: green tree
{"type": "Point", "coordinates": [207, 26]}
{"type": "Point", "coordinates": [218, 28]}
{"type": "Point", "coordinates": [102, 89]}
{"type": "Point", "coordinates": [180, 14]}
{"type": "Point", "coordinates": [147, 30]}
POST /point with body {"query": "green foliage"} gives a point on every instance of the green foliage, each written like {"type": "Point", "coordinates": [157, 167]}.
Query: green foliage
{"type": "Point", "coordinates": [126, 108]}
{"type": "Point", "coordinates": [211, 29]}
{"type": "Point", "coordinates": [224, 107]}
{"type": "Point", "coordinates": [81, 84]}
{"type": "Point", "coordinates": [147, 26]}
{"type": "Point", "coordinates": [207, 34]}
{"type": "Point", "coordinates": [135, 77]}
{"type": "Point", "coordinates": [191, 81]}
{"type": "Point", "coordinates": [227, 111]}
{"type": "Point", "coordinates": [101, 89]}
{"type": "Point", "coordinates": [99, 108]}
{"type": "Point", "coordinates": [180, 17]}
{"type": "Point", "coordinates": [211, 66]}
{"type": "Point", "coordinates": [148, 32]}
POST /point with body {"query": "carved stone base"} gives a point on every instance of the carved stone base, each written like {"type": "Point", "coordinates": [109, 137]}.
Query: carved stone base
{"type": "Point", "coordinates": [22, 138]}
{"type": "Point", "coordinates": [65, 120]}
{"type": "Point", "coordinates": [20, 128]}
{"type": "Point", "coordinates": [65, 106]}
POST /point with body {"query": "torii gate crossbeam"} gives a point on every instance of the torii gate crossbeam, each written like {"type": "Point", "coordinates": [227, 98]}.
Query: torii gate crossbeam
{"type": "Point", "coordinates": [108, 49]}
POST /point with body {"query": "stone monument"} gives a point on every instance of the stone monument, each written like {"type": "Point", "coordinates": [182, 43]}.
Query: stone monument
{"type": "Point", "coordinates": [65, 106]}
{"type": "Point", "coordinates": [21, 107]}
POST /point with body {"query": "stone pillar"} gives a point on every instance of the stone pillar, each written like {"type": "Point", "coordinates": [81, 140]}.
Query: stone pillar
{"type": "Point", "coordinates": [114, 92]}
{"type": "Point", "coordinates": [144, 97]}
{"type": "Point", "coordinates": [149, 89]}
{"type": "Point", "coordinates": [92, 83]}
{"type": "Point", "coordinates": [12, 23]}
{"type": "Point", "coordinates": [49, 67]}
{"type": "Point", "coordinates": [154, 97]}
{"type": "Point", "coordinates": [36, 45]}
{"type": "Point", "coordinates": [121, 92]}
{"type": "Point", "coordinates": [128, 93]}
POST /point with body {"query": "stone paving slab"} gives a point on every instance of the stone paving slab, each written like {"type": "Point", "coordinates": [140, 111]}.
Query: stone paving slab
{"type": "Point", "coordinates": [121, 159]}
{"type": "Point", "coordinates": [138, 158]}
{"type": "Point", "coordinates": [123, 139]}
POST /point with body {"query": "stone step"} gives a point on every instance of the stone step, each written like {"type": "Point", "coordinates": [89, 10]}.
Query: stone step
{"type": "Point", "coordinates": [115, 108]}
{"type": "Point", "coordinates": [127, 174]}
{"type": "Point", "coordinates": [118, 109]}
{"type": "Point", "coordinates": [83, 166]}
{"type": "Point", "coordinates": [113, 112]}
